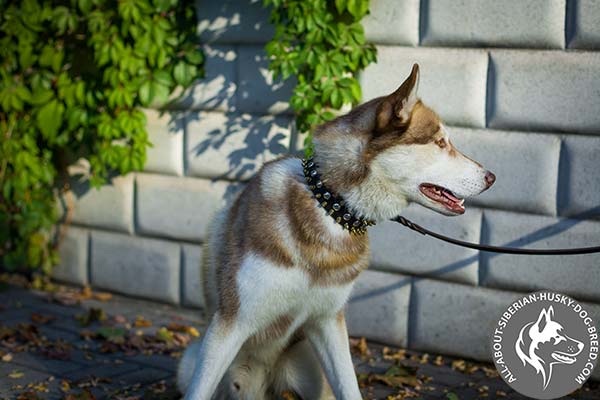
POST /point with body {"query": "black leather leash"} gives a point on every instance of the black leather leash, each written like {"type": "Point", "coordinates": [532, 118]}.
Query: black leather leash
{"type": "Point", "coordinates": [495, 249]}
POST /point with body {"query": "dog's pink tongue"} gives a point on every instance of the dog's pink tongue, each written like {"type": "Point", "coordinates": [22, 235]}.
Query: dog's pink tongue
{"type": "Point", "coordinates": [450, 196]}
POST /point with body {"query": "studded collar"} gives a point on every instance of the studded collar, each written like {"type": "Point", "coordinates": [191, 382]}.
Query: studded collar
{"type": "Point", "coordinates": [334, 205]}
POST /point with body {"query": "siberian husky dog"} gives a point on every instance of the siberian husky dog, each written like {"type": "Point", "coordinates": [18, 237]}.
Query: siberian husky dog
{"type": "Point", "coordinates": [280, 262]}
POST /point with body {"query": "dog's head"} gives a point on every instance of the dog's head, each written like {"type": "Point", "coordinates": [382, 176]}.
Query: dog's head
{"type": "Point", "coordinates": [414, 149]}
{"type": "Point", "coordinates": [544, 343]}
{"type": "Point", "coordinates": [401, 147]}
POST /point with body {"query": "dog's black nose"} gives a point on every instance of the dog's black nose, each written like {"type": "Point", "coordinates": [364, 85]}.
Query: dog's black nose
{"type": "Point", "coordinates": [489, 179]}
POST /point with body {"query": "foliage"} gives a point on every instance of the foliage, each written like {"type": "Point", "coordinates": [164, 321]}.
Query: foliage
{"type": "Point", "coordinates": [322, 43]}
{"type": "Point", "coordinates": [74, 75]}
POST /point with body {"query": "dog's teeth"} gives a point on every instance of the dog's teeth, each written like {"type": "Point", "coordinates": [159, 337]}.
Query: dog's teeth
{"type": "Point", "coordinates": [461, 202]}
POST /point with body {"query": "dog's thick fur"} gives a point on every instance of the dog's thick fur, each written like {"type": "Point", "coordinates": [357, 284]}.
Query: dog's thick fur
{"type": "Point", "coordinates": [278, 270]}
{"type": "Point", "coordinates": [544, 343]}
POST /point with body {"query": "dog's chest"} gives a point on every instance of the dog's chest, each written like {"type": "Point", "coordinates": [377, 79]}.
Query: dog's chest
{"type": "Point", "coordinates": [268, 291]}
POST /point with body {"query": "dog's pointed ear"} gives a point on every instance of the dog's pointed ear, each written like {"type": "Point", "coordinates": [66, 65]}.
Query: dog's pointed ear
{"type": "Point", "coordinates": [544, 318]}
{"type": "Point", "coordinates": [396, 108]}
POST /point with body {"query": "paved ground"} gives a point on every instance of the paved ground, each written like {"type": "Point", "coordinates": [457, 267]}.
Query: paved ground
{"type": "Point", "coordinates": [80, 345]}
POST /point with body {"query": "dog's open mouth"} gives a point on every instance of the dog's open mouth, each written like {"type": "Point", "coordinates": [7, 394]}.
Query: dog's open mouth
{"type": "Point", "coordinates": [444, 197]}
{"type": "Point", "coordinates": [563, 358]}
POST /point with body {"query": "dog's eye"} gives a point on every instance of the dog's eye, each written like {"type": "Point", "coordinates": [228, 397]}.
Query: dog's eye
{"type": "Point", "coordinates": [441, 143]}
{"type": "Point", "coordinates": [557, 339]}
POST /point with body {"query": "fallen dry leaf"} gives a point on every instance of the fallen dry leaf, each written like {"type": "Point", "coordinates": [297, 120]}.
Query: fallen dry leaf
{"type": "Point", "coordinates": [16, 374]}
{"type": "Point", "coordinates": [29, 395]}
{"type": "Point", "coordinates": [119, 319]}
{"type": "Point", "coordinates": [65, 386]}
{"type": "Point", "coordinates": [397, 376]}
{"type": "Point", "coordinates": [92, 315]}
{"type": "Point", "coordinates": [113, 335]}
{"type": "Point", "coordinates": [164, 334]}
{"type": "Point", "coordinates": [359, 346]}
{"type": "Point", "coordinates": [397, 355]}
{"type": "Point", "coordinates": [141, 322]}
{"type": "Point", "coordinates": [41, 319]}
{"type": "Point", "coordinates": [183, 328]}
{"type": "Point", "coordinates": [87, 334]}
{"type": "Point", "coordinates": [102, 296]}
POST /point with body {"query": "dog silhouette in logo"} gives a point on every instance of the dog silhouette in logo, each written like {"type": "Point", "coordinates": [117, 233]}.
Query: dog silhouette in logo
{"type": "Point", "coordinates": [544, 343]}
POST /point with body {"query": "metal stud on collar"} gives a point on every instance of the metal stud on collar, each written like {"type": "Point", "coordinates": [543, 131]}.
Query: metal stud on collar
{"type": "Point", "coordinates": [333, 204]}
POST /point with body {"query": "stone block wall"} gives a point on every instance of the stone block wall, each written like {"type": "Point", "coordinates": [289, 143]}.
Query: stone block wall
{"type": "Point", "coordinates": [518, 82]}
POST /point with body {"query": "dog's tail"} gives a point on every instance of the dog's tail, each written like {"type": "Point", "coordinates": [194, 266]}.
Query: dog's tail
{"type": "Point", "coordinates": [298, 370]}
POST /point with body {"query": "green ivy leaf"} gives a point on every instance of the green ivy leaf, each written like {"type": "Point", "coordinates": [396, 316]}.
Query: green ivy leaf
{"type": "Point", "coordinates": [194, 57]}
{"type": "Point", "coordinates": [163, 78]}
{"type": "Point", "coordinates": [85, 6]}
{"type": "Point", "coordinates": [161, 92]}
{"type": "Point", "coordinates": [184, 73]}
{"type": "Point", "coordinates": [340, 5]}
{"type": "Point", "coordinates": [23, 93]}
{"type": "Point", "coordinates": [49, 118]}
{"type": "Point", "coordinates": [145, 93]}
{"type": "Point", "coordinates": [47, 56]}
{"type": "Point", "coordinates": [356, 90]}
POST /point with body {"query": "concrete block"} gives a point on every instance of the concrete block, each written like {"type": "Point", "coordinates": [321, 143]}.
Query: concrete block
{"type": "Point", "coordinates": [378, 307]}
{"type": "Point", "coordinates": [453, 82]}
{"type": "Point", "coordinates": [178, 208]}
{"type": "Point", "coordinates": [579, 179]}
{"type": "Point", "coordinates": [73, 252]}
{"type": "Point", "coordinates": [392, 22]}
{"type": "Point", "coordinates": [192, 287]}
{"type": "Point", "coordinates": [455, 319]}
{"type": "Point", "coordinates": [583, 24]}
{"type": "Point", "coordinates": [233, 21]}
{"type": "Point", "coordinates": [258, 91]}
{"type": "Point", "coordinates": [109, 207]}
{"type": "Point", "coordinates": [233, 146]}
{"type": "Point", "coordinates": [216, 90]}
{"type": "Point", "coordinates": [165, 132]}
{"type": "Point", "coordinates": [482, 23]}
{"type": "Point", "coordinates": [135, 266]}
{"type": "Point", "coordinates": [544, 90]}
{"type": "Point", "coordinates": [399, 249]}
{"type": "Point", "coordinates": [573, 275]}
{"type": "Point", "coordinates": [525, 164]}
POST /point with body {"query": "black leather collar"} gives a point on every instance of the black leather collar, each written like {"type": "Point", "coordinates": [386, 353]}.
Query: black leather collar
{"type": "Point", "coordinates": [334, 205]}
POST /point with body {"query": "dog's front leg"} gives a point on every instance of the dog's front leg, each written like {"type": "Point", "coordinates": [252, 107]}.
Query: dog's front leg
{"type": "Point", "coordinates": [219, 346]}
{"type": "Point", "coordinates": [329, 338]}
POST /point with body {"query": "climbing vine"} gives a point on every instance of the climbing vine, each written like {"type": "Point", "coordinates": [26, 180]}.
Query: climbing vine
{"type": "Point", "coordinates": [74, 75]}
{"type": "Point", "coordinates": [322, 44]}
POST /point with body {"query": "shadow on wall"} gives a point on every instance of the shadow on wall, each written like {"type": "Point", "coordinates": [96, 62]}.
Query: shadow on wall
{"type": "Point", "coordinates": [228, 136]}
{"type": "Point", "coordinates": [232, 21]}
{"type": "Point", "coordinates": [232, 146]}
{"type": "Point", "coordinates": [217, 88]}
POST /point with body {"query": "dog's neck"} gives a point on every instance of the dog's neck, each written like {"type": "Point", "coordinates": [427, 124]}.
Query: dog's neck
{"type": "Point", "coordinates": [333, 203]}
{"type": "Point", "coordinates": [339, 148]}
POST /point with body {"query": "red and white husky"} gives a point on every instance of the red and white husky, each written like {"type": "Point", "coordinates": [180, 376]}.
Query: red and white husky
{"type": "Point", "coordinates": [279, 268]}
